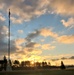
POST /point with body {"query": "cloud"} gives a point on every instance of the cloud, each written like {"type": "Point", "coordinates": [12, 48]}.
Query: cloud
{"type": "Point", "coordinates": [36, 51]}
{"type": "Point", "coordinates": [2, 18]}
{"type": "Point", "coordinates": [47, 47]}
{"type": "Point", "coordinates": [64, 58]}
{"type": "Point", "coordinates": [47, 32]}
{"type": "Point", "coordinates": [37, 45]}
{"type": "Point", "coordinates": [14, 44]}
{"type": "Point", "coordinates": [32, 35]}
{"type": "Point", "coordinates": [35, 8]}
{"type": "Point", "coordinates": [72, 57]}
{"type": "Point", "coordinates": [30, 9]}
{"type": "Point", "coordinates": [1, 6]}
{"type": "Point", "coordinates": [3, 32]}
{"type": "Point", "coordinates": [32, 45]}
{"type": "Point", "coordinates": [66, 39]}
{"type": "Point", "coordinates": [19, 41]}
{"type": "Point", "coordinates": [16, 21]}
{"type": "Point", "coordinates": [20, 31]}
{"type": "Point", "coordinates": [68, 23]}
{"type": "Point", "coordinates": [54, 59]}
{"type": "Point", "coordinates": [63, 7]}
{"type": "Point", "coordinates": [3, 39]}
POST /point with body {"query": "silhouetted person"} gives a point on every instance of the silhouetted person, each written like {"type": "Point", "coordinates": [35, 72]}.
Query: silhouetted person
{"type": "Point", "coordinates": [5, 63]}
{"type": "Point", "coordinates": [62, 65]}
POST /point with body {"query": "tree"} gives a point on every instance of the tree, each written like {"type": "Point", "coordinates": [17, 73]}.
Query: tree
{"type": "Point", "coordinates": [49, 64]}
{"type": "Point", "coordinates": [38, 64]}
{"type": "Point", "coordinates": [22, 64]}
{"type": "Point", "coordinates": [16, 63]}
{"type": "Point", "coordinates": [27, 63]}
{"type": "Point", "coordinates": [44, 63]}
{"type": "Point", "coordinates": [62, 65]}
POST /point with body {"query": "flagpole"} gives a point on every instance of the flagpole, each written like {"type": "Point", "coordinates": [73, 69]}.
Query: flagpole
{"type": "Point", "coordinates": [9, 38]}
{"type": "Point", "coordinates": [9, 65]}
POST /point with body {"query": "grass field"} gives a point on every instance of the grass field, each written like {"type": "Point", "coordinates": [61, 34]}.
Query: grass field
{"type": "Point", "coordinates": [39, 72]}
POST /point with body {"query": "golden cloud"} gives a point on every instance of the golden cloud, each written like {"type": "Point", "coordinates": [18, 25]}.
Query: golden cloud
{"type": "Point", "coordinates": [67, 39]}
{"type": "Point", "coordinates": [37, 45]}
{"type": "Point", "coordinates": [47, 47]}
{"type": "Point", "coordinates": [47, 32]}
{"type": "Point", "coordinates": [36, 51]}
{"type": "Point", "coordinates": [19, 41]}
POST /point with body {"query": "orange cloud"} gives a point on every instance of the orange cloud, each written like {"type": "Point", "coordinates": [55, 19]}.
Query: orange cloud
{"type": "Point", "coordinates": [37, 45]}
{"type": "Point", "coordinates": [47, 47]}
{"type": "Point", "coordinates": [36, 51]}
{"type": "Point", "coordinates": [47, 32]}
{"type": "Point", "coordinates": [66, 39]}
{"type": "Point", "coordinates": [19, 41]}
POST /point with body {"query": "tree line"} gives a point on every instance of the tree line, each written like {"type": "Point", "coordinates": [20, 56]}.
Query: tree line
{"type": "Point", "coordinates": [17, 65]}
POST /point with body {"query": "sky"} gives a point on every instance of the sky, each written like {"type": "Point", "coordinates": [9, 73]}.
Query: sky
{"type": "Point", "coordinates": [39, 30]}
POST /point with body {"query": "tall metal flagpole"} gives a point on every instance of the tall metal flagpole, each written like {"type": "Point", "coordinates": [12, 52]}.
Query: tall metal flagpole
{"type": "Point", "coordinates": [9, 39]}
{"type": "Point", "coordinates": [9, 66]}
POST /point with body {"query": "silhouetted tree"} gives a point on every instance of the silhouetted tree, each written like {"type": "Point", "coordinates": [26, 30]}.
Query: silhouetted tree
{"type": "Point", "coordinates": [38, 64]}
{"type": "Point", "coordinates": [22, 63]}
{"type": "Point", "coordinates": [62, 65]}
{"type": "Point", "coordinates": [44, 64]}
{"type": "Point", "coordinates": [16, 63]}
{"type": "Point", "coordinates": [27, 63]}
{"type": "Point", "coordinates": [49, 64]}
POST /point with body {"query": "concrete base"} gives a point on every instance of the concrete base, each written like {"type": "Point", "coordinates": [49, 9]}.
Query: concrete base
{"type": "Point", "coordinates": [9, 68]}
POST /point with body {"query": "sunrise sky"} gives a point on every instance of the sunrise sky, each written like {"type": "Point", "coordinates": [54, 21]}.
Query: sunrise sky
{"type": "Point", "coordinates": [40, 30]}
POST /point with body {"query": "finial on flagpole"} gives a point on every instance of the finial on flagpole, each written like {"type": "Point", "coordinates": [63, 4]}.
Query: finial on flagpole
{"type": "Point", "coordinates": [9, 13]}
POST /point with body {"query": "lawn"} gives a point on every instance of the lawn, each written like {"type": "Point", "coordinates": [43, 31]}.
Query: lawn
{"type": "Point", "coordinates": [39, 72]}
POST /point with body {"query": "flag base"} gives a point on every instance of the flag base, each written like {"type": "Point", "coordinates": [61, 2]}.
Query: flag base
{"type": "Point", "coordinates": [9, 68]}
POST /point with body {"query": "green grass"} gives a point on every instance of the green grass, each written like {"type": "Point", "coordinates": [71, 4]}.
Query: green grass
{"type": "Point", "coordinates": [39, 72]}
